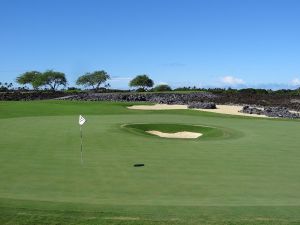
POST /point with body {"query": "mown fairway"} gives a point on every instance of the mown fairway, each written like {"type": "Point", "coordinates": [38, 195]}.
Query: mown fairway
{"type": "Point", "coordinates": [251, 176]}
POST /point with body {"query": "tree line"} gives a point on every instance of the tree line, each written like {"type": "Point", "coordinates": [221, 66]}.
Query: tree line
{"type": "Point", "coordinates": [54, 79]}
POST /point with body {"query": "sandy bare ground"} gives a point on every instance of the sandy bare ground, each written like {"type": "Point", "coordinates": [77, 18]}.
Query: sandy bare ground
{"type": "Point", "coordinates": [223, 109]}
{"type": "Point", "coordinates": [182, 134]}
{"type": "Point", "coordinates": [230, 110]}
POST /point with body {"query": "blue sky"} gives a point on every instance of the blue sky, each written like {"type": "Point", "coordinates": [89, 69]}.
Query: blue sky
{"type": "Point", "coordinates": [237, 43]}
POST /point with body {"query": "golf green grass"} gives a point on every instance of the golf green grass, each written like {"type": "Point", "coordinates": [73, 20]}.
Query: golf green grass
{"type": "Point", "coordinates": [208, 132]}
{"type": "Point", "coordinates": [243, 171]}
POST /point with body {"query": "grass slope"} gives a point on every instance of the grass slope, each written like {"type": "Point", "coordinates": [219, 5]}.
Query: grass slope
{"type": "Point", "coordinates": [252, 178]}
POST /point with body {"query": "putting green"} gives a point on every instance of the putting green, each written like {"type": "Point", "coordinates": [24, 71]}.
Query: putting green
{"type": "Point", "coordinates": [240, 170]}
{"type": "Point", "coordinates": [208, 132]}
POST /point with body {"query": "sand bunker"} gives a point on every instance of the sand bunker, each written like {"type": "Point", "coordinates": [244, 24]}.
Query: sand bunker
{"type": "Point", "coordinates": [182, 134]}
{"type": "Point", "coordinates": [223, 109]}
{"type": "Point", "coordinates": [230, 110]}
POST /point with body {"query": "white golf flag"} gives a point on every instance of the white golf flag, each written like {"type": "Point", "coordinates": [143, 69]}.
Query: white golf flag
{"type": "Point", "coordinates": [82, 120]}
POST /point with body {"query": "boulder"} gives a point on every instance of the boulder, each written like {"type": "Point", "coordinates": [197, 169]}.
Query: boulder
{"type": "Point", "coordinates": [279, 112]}
{"type": "Point", "coordinates": [252, 110]}
{"type": "Point", "coordinates": [202, 105]}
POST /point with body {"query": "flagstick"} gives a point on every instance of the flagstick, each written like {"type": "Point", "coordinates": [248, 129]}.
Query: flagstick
{"type": "Point", "coordinates": [81, 144]}
{"type": "Point", "coordinates": [82, 120]}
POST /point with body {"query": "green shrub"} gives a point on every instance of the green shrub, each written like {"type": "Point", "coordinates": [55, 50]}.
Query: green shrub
{"type": "Point", "coordinates": [162, 87]}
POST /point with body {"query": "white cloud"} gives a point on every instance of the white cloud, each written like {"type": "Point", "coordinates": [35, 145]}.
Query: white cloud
{"type": "Point", "coordinates": [230, 80]}
{"type": "Point", "coordinates": [296, 82]}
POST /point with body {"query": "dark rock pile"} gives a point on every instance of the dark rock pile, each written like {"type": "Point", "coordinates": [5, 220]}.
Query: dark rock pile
{"type": "Point", "coordinates": [280, 112]}
{"type": "Point", "coordinates": [28, 96]}
{"type": "Point", "coordinates": [202, 105]}
{"type": "Point", "coordinates": [252, 110]}
{"type": "Point", "coordinates": [162, 98]}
